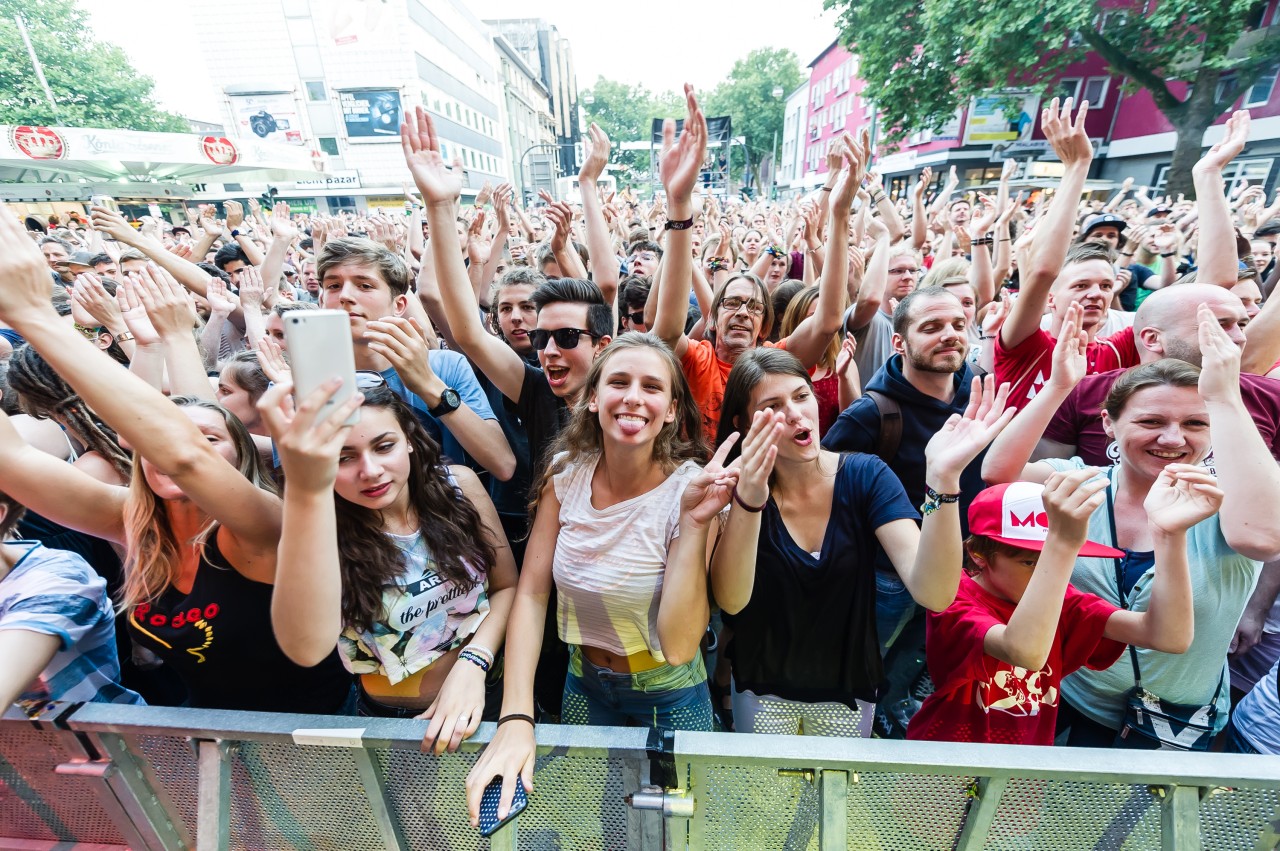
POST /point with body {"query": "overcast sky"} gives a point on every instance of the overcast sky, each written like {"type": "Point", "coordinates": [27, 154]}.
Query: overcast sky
{"type": "Point", "coordinates": [637, 43]}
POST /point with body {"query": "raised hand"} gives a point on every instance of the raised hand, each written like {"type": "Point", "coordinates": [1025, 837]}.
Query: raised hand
{"type": "Point", "coordinates": [844, 360]}
{"type": "Point", "coordinates": [759, 451]}
{"type": "Point", "coordinates": [484, 195]}
{"type": "Point", "coordinates": [477, 245]}
{"type": "Point", "coordinates": [710, 491]}
{"type": "Point", "coordinates": [682, 158]}
{"type": "Point", "coordinates": [402, 342]}
{"type": "Point", "coordinates": [24, 293]}
{"type": "Point", "coordinates": [1220, 361]}
{"type": "Point", "coordinates": [271, 359]}
{"type": "Point", "coordinates": [1067, 138]}
{"type": "Point", "coordinates": [253, 292]}
{"type": "Point", "coordinates": [1070, 498]}
{"type": "Point", "coordinates": [308, 444]}
{"type": "Point", "coordinates": [282, 226]}
{"type": "Point", "coordinates": [962, 438]}
{"type": "Point", "coordinates": [926, 177]}
{"type": "Point", "coordinates": [597, 155]}
{"type": "Point", "coordinates": [92, 297]}
{"type": "Point", "coordinates": [438, 183]}
{"type": "Point", "coordinates": [235, 214]}
{"type": "Point", "coordinates": [1069, 360]}
{"type": "Point", "coordinates": [169, 308]}
{"type": "Point", "coordinates": [1235, 135]}
{"type": "Point", "coordinates": [1182, 496]}
{"type": "Point", "coordinates": [219, 297]}
{"type": "Point", "coordinates": [134, 314]}
{"type": "Point", "coordinates": [113, 225]}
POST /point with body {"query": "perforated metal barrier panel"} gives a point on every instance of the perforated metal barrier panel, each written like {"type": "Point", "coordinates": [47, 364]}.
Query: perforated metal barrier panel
{"type": "Point", "coordinates": [156, 779]}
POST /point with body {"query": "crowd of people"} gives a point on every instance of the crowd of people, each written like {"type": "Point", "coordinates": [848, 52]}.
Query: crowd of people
{"type": "Point", "coordinates": [681, 462]}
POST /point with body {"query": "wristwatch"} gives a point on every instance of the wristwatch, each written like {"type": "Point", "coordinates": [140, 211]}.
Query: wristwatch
{"type": "Point", "coordinates": [450, 401]}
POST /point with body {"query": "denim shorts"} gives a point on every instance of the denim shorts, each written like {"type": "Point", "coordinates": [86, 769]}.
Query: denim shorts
{"type": "Point", "coordinates": [669, 697]}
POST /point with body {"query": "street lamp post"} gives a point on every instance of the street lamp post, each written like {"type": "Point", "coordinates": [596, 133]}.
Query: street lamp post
{"type": "Point", "coordinates": [773, 159]}
{"type": "Point", "coordinates": [554, 146]}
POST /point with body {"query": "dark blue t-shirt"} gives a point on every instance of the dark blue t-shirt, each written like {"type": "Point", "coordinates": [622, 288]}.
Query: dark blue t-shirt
{"type": "Point", "coordinates": [455, 371]}
{"type": "Point", "coordinates": [809, 631]}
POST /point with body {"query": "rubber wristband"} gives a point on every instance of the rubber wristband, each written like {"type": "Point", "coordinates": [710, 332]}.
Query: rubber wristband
{"type": "Point", "coordinates": [515, 716]}
{"type": "Point", "coordinates": [750, 508]}
{"type": "Point", "coordinates": [827, 188]}
{"type": "Point", "coordinates": [679, 224]}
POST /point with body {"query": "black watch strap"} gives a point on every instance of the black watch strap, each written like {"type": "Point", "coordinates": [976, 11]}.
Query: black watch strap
{"type": "Point", "coordinates": [450, 401]}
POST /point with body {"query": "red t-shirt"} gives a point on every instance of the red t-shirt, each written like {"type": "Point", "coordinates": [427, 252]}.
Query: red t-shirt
{"type": "Point", "coordinates": [1078, 421]}
{"type": "Point", "coordinates": [979, 698]}
{"type": "Point", "coordinates": [707, 375]}
{"type": "Point", "coordinates": [1030, 363]}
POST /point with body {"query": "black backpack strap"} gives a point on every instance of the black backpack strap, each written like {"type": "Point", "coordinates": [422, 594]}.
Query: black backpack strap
{"type": "Point", "coordinates": [890, 425]}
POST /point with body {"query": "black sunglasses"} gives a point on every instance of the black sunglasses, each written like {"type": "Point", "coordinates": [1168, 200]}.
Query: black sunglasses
{"type": "Point", "coordinates": [566, 338]}
{"type": "Point", "coordinates": [636, 318]}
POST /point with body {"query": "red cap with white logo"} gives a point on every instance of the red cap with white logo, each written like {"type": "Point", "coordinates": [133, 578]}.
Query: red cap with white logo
{"type": "Point", "coordinates": [1014, 514]}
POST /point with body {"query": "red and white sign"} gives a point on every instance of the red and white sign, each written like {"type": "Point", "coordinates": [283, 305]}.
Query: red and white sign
{"type": "Point", "coordinates": [39, 143]}
{"type": "Point", "coordinates": [220, 150]}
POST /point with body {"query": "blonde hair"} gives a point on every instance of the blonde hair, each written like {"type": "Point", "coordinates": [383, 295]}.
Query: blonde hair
{"type": "Point", "coordinates": [153, 554]}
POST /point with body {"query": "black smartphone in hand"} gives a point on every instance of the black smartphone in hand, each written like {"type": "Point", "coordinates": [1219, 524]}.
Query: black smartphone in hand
{"type": "Point", "coordinates": [489, 821]}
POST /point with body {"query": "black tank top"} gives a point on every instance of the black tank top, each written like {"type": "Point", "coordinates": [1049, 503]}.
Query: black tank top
{"type": "Point", "coordinates": [218, 638]}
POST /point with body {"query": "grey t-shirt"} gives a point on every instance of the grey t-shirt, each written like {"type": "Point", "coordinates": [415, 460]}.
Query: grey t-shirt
{"type": "Point", "coordinates": [875, 344]}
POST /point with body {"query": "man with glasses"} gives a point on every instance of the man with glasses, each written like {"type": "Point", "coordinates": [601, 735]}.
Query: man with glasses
{"type": "Point", "coordinates": [742, 311]}
{"type": "Point", "coordinates": [891, 275]}
{"type": "Point", "coordinates": [643, 258]}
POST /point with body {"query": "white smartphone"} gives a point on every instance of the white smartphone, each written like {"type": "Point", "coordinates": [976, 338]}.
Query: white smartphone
{"type": "Point", "coordinates": [319, 344]}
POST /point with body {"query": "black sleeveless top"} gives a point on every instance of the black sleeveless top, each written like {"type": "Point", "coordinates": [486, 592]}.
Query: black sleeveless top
{"type": "Point", "coordinates": [809, 631]}
{"type": "Point", "coordinates": [219, 640]}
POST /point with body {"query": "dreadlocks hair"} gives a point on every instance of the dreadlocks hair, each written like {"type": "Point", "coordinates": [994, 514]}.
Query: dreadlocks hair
{"type": "Point", "coordinates": [43, 393]}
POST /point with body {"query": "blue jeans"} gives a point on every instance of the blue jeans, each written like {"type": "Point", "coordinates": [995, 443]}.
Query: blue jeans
{"type": "Point", "coordinates": [670, 697]}
{"type": "Point", "coordinates": [894, 607]}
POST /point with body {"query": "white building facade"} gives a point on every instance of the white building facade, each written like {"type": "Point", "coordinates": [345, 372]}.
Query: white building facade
{"type": "Point", "coordinates": [337, 76]}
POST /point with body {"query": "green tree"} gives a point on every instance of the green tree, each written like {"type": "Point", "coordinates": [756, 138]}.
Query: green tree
{"type": "Point", "coordinates": [626, 112]}
{"type": "Point", "coordinates": [925, 58]}
{"type": "Point", "coordinates": [93, 83]}
{"type": "Point", "coordinates": [747, 96]}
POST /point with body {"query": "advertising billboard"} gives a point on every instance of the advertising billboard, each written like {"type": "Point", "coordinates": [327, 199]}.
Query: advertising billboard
{"type": "Point", "coordinates": [992, 121]}
{"type": "Point", "coordinates": [271, 118]}
{"type": "Point", "coordinates": [371, 115]}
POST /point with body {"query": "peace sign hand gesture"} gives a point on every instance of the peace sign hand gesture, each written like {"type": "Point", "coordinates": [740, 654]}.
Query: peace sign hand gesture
{"type": "Point", "coordinates": [710, 491]}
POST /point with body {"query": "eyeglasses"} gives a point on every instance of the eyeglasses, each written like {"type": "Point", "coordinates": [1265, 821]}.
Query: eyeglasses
{"type": "Point", "coordinates": [733, 304]}
{"type": "Point", "coordinates": [636, 318]}
{"type": "Point", "coordinates": [566, 338]}
{"type": "Point", "coordinates": [647, 256]}
{"type": "Point", "coordinates": [367, 379]}
{"type": "Point", "coordinates": [905, 271]}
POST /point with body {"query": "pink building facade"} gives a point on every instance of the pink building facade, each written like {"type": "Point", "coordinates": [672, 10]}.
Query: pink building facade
{"type": "Point", "coordinates": [1131, 136]}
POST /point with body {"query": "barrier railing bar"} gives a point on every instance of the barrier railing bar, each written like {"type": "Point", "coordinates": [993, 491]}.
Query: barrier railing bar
{"type": "Point", "coordinates": [147, 811]}
{"type": "Point", "coordinates": [213, 810]}
{"type": "Point", "coordinates": [833, 830]}
{"type": "Point", "coordinates": [1009, 761]}
{"type": "Point", "coordinates": [1180, 819]}
{"type": "Point", "coordinates": [376, 794]}
{"type": "Point", "coordinates": [982, 811]}
{"type": "Point", "coordinates": [45, 845]}
{"type": "Point", "coordinates": [504, 838]}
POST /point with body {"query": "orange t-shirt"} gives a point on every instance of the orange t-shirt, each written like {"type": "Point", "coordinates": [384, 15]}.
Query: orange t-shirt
{"type": "Point", "coordinates": [707, 376]}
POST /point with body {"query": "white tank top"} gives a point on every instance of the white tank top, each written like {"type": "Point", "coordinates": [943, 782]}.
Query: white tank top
{"type": "Point", "coordinates": [609, 562]}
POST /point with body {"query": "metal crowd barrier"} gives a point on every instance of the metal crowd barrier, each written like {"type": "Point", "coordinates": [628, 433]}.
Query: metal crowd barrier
{"type": "Point", "coordinates": [99, 777]}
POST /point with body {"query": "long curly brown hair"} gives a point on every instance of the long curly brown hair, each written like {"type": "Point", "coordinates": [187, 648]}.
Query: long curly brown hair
{"type": "Point", "coordinates": [456, 536]}
{"type": "Point", "coordinates": [679, 440]}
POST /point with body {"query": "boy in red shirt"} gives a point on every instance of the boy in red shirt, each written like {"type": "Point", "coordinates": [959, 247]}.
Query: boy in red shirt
{"type": "Point", "coordinates": [998, 654]}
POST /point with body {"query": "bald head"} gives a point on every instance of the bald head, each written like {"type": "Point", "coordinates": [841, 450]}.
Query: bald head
{"type": "Point", "coordinates": [1166, 325]}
